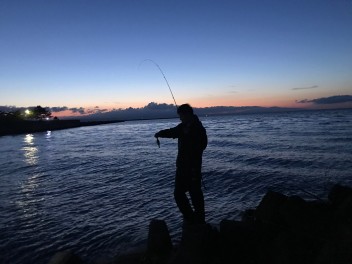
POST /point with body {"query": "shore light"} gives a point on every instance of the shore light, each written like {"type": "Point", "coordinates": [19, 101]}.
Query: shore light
{"type": "Point", "coordinates": [27, 111]}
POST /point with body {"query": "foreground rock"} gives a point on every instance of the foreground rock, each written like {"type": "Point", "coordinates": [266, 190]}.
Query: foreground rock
{"type": "Point", "coordinates": [281, 230]}
{"type": "Point", "coordinates": [159, 242]}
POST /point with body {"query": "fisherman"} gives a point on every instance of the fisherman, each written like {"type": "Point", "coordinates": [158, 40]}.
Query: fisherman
{"type": "Point", "coordinates": [192, 141]}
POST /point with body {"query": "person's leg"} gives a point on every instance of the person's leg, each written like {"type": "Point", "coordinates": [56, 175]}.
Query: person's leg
{"type": "Point", "coordinates": [181, 186]}
{"type": "Point", "coordinates": [197, 198]}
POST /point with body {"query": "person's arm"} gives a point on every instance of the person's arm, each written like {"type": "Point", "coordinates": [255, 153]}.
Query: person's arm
{"type": "Point", "coordinates": [168, 133]}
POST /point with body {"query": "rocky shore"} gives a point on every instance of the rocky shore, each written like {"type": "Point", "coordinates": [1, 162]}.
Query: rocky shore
{"type": "Point", "coordinates": [281, 230]}
{"type": "Point", "coordinates": [29, 126]}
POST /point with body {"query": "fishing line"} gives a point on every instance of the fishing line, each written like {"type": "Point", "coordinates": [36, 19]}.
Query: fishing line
{"type": "Point", "coordinates": [161, 71]}
{"type": "Point", "coordinates": [168, 85]}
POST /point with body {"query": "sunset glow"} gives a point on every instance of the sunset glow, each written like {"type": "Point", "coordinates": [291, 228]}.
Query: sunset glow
{"type": "Point", "coordinates": [85, 57]}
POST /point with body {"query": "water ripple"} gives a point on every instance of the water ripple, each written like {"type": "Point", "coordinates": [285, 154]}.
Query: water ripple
{"type": "Point", "coordinates": [95, 189]}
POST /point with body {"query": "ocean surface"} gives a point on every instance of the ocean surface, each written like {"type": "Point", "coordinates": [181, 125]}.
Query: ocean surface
{"type": "Point", "coordinates": [95, 189]}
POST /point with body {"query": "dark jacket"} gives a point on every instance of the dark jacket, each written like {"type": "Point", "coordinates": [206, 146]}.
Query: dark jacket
{"type": "Point", "coordinates": [192, 141]}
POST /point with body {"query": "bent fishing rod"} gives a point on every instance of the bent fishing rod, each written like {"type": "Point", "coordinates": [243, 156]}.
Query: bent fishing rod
{"type": "Point", "coordinates": [161, 71]}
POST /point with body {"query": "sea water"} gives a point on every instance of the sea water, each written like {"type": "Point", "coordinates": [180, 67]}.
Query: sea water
{"type": "Point", "coordinates": [95, 189]}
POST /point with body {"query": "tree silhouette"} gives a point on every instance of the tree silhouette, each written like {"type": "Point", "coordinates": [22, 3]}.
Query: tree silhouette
{"type": "Point", "coordinates": [11, 116]}
{"type": "Point", "coordinates": [39, 113]}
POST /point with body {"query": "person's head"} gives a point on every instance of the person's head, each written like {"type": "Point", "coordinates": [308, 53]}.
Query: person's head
{"type": "Point", "coordinates": [185, 112]}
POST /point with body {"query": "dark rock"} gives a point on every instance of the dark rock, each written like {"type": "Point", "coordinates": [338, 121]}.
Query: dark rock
{"type": "Point", "coordinates": [318, 218]}
{"type": "Point", "coordinates": [292, 248]}
{"type": "Point", "coordinates": [248, 216]}
{"type": "Point", "coordinates": [337, 249]}
{"type": "Point", "coordinates": [343, 212]}
{"type": "Point", "coordinates": [269, 209]}
{"type": "Point", "coordinates": [292, 229]}
{"type": "Point", "coordinates": [65, 257]}
{"type": "Point", "coordinates": [238, 242]}
{"type": "Point", "coordinates": [281, 230]}
{"type": "Point", "coordinates": [306, 217]}
{"type": "Point", "coordinates": [159, 241]}
{"type": "Point", "coordinates": [339, 193]}
{"type": "Point", "coordinates": [199, 245]}
{"type": "Point", "coordinates": [293, 211]}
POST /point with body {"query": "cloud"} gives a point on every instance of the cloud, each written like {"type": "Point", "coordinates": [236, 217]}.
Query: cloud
{"type": "Point", "coordinates": [9, 108]}
{"type": "Point", "coordinates": [95, 110]}
{"type": "Point", "coordinates": [305, 88]}
{"type": "Point", "coordinates": [159, 107]}
{"type": "Point", "coordinates": [58, 108]}
{"type": "Point", "coordinates": [337, 99]}
{"type": "Point", "coordinates": [80, 110]}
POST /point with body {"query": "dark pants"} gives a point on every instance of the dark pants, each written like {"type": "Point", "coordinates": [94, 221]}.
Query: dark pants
{"type": "Point", "coordinates": [188, 181]}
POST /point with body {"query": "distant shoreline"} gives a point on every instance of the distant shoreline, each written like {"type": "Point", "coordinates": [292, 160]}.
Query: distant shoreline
{"type": "Point", "coordinates": [204, 112]}
{"type": "Point", "coordinates": [16, 127]}
{"type": "Point", "coordinates": [25, 126]}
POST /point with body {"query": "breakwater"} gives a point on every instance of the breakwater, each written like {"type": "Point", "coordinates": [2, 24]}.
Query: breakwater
{"type": "Point", "coordinates": [281, 229]}
{"type": "Point", "coordinates": [29, 126]}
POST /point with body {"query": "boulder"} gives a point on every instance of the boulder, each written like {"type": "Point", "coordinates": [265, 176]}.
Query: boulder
{"type": "Point", "coordinates": [306, 217]}
{"type": "Point", "coordinates": [248, 216]}
{"type": "Point", "coordinates": [339, 193]}
{"type": "Point", "coordinates": [292, 248]}
{"type": "Point", "coordinates": [159, 241]}
{"type": "Point", "coordinates": [238, 242]}
{"type": "Point", "coordinates": [337, 249]}
{"type": "Point", "coordinates": [199, 245]}
{"type": "Point", "coordinates": [343, 212]}
{"type": "Point", "coordinates": [269, 208]}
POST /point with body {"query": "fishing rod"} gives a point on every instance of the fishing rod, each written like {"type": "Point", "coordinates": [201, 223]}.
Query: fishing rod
{"type": "Point", "coordinates": [161, 71]}
{"type": "Point", "coordinates": [168, 85]}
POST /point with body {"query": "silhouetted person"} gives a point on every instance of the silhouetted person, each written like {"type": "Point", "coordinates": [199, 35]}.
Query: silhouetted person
{"type": "Point", "coordinates": [192, 140]}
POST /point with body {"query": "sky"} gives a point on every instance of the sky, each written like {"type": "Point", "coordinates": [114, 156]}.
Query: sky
{"type": "Point", "coordinates": [85, 54]}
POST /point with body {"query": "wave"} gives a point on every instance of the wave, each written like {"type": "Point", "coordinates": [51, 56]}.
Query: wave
{"type": "Point", "coordinates": [96, 189]}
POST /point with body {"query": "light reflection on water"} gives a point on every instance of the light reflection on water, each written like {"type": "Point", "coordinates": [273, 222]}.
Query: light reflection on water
{"type": "Point", "coordinates": [30, 150]}
{"type": "Point", "coordinates": [27, 202]}
{"type": "Point", "coordinates": [94, 189]}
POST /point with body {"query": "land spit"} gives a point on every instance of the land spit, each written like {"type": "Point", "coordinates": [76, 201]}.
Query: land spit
{"type": "Point", "coordinates": [29, 126]}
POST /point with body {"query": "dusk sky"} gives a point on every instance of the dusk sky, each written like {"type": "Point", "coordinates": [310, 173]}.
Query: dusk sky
{"type": "Point", "coordinates": [90, 54]}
